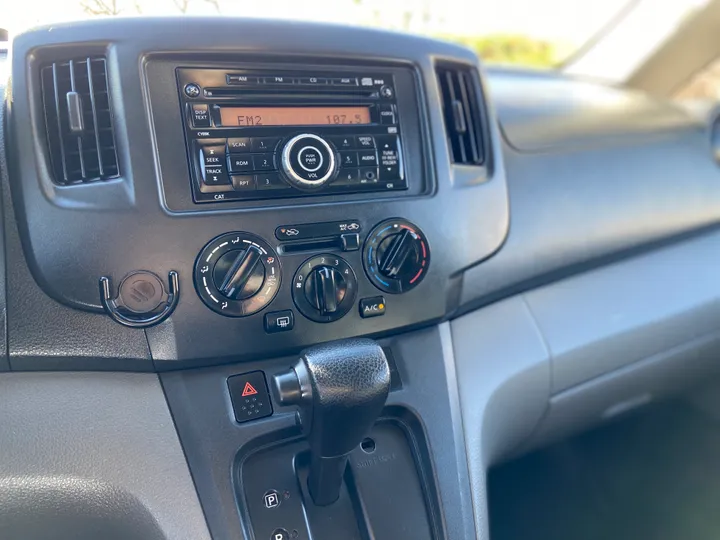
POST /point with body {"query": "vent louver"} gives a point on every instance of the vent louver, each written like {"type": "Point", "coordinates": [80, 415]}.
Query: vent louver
{"type": "Point", "coordinates": [79, 121]}
{"type": "Point", "coordinates": [462, 112]}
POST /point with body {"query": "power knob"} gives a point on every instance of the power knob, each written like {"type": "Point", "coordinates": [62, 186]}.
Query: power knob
{"type": "Point", "coordinates": [308, 161]}
{"type": "Point", "coordinates": [396, 256]}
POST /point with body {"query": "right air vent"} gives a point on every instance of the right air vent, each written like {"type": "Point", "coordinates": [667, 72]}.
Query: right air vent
{"type": "Point", "coordinates": [462, 111]}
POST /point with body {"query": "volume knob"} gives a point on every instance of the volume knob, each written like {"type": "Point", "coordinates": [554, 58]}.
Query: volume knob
{"type": "Point", "coordinates": [308, 161]}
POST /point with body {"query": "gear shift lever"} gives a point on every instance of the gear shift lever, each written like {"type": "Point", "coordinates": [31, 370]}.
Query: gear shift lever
{"type": "Point", "coordinates": [341, 388]}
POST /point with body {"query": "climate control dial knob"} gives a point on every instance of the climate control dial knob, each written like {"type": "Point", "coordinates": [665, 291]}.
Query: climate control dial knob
{"type": "Point", "coordinates": [237, 274]}
{"type": "Point", "coordinates": [396, 256]}
{"type": "Point", "coordinates": [324, 288]}
{"type": "Point", "coordinates": [308, 161]}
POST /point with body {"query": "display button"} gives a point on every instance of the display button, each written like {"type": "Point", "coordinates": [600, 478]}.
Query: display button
{"type": "Point", "coordinates": [263, 162]}
{"type": "Point", "coordinates": [240, 162]}
{"type": "Point", "coordinates": [372, 307]}
{"type": "Point", "coordinates": [347, 177]}
{"type": "Point", "coordinates": [239, 144]}
{"type": "Point", "coordinates": [348, 159]}
{"type": "Point", "coordinates": [365, 141]}
{"type": "Point", "coordinates": [249, 396]}
{"type": "Point", "coordinates": [313, 80]}
{"type": "Point", "coordinates": [344, 81]}
{"type": "Point", "coordinates": [243, 182]}
{"type": "Point", "coordinates": [343, 143]}
{"type": "Point", "coordinates": [310, 158]}
{"type": "Point", "coordinates": [200, 115]}
{"type": "Point", "coordinates": [367, 158]}
{"type": "Point", "coordinates": [278, 80]}
{"type": "Point", "coordinates": [368, 175]}
{"type": "Point", "coordinates": [279, 321]}
{"type": "Point", "coordinates": [387, 114]}
{"type": "Point", "coordinates": [264, 144]}
{"type": "Point", "coordinates": [270, 180]}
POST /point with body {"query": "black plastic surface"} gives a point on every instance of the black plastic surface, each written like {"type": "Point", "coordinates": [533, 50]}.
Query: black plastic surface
{"type": "Point", "coordinates": [382, 495]}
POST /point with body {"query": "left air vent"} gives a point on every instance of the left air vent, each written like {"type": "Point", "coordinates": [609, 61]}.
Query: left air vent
{"type": "Point", "coordinates": [79, 121]}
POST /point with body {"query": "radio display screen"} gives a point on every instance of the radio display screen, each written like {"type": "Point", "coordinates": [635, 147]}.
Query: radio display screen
{"type": "Point", "coordinates": [293, 116]}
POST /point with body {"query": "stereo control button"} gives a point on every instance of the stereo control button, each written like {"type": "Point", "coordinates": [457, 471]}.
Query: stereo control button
{"type": "Point", "coordinates": [239, 144]}
{"type": "Point", "coordinates": [365, 141]}
{"type": "Point", "coordinates": [200, 115]}
{"type": "Point", "coordinates": [390, 163]}
{"type": "Point", "coordinates": [367, 158]}
{"type": "Point", "coordinates": [308, 161]}
{"type": "Point", "coordinates": [348, 177]}
{"type": "Point", "coordinates": [310, 158]}
{"type": "Point", "coordinates": [270, 180]}
{"type": "Point", "coordinates": [343, 143]}
{"type": "Point", "coordinates": [243, 183]}
{"type": "Point", "coordinates": [240, 162]}
{"type": "Point", "coordinates": [264, 144]}
{"type": "Point", "coordinates": [344, 81]}
{"type": "Point", "coordinates": [313, 80]}
{"type": "Point", "coordinates": [348, 159]}
{"type": "Point", "coordinates": [213, 156]}
{"type": "Point", "coordinates": [263, 162]}
{"type": "Point", "coordinates": [387, 114]}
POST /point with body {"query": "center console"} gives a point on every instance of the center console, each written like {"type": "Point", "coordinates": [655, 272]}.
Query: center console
{"type": "Point", "coordinates": [270, 194]}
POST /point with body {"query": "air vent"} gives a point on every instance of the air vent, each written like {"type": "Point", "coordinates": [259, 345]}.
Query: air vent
{"type": "Point", "coordinates": [463, 115]}
{"type": "Point", "coordinates": [79, 121]}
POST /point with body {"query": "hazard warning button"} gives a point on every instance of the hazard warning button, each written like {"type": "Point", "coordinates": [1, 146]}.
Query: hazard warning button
{"type": "Point", "coordinates": [249, 395]}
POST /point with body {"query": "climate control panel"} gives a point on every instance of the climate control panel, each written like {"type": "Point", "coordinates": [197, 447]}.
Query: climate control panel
{"type": "Point", "coordinates": [239, 274]}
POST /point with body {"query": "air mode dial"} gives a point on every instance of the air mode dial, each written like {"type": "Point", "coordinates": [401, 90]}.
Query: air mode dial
{"type": "Point", "coordinates": [396, 256]}
{"type": "Point", "coordinates": [237, 274]}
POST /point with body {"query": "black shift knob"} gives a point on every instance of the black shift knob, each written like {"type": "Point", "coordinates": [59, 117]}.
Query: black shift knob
{"type": "Point", "coordinates": [341, 388]}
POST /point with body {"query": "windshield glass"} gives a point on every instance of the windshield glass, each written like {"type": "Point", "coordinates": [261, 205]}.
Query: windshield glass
{"type": "Point", "coordinates": [537, 33]}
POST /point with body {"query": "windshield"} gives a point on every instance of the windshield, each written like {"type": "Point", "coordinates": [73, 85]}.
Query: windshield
{"type": "Point", "coordinates": [537, 33]}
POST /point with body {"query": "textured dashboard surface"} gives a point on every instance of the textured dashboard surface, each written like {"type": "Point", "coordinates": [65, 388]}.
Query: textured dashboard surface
{"type": "Point", "coordinates": [91, 455]}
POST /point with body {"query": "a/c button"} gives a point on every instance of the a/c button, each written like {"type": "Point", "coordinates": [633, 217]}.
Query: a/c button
{"type": "Point", "coordinates": [372, 307]}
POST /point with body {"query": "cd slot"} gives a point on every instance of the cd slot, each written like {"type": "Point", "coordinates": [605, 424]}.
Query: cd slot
{"type": "Point", "coordinates": [259, 94]}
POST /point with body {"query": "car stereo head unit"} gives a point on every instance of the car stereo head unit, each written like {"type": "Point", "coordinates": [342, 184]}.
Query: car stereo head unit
{"type": "Point", "coordinates": [256, 135]}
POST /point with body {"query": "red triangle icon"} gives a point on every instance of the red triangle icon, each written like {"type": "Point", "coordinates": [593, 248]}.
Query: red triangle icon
{"type": "Point", "coordinates": [249, 390]}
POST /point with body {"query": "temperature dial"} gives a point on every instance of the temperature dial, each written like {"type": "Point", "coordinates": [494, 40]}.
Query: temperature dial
{"type": "Point", "coordinates": [396, 256]}
{"type": "Point", "coordinates": [324, 288]}
{"type": "Point", "coordinates": [237, 274]}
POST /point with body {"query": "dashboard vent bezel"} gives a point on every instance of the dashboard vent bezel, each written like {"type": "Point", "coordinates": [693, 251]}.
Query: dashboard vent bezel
{"type": "Point", "coordinates": [79, 120]}
{"type": "Point", "coordinates": [463, 113]}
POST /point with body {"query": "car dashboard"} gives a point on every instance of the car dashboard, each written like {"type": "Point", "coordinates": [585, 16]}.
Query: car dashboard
{"type": "Point", "coordinates": [184, 213]}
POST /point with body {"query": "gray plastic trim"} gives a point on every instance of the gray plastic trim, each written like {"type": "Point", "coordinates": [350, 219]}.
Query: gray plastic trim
{"type": "Point", "coordinates": [608, 318]}
{"type": "Point", "coordinates": [503, 374]}
{"type": "Point", "coordinates": [92, 455]}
